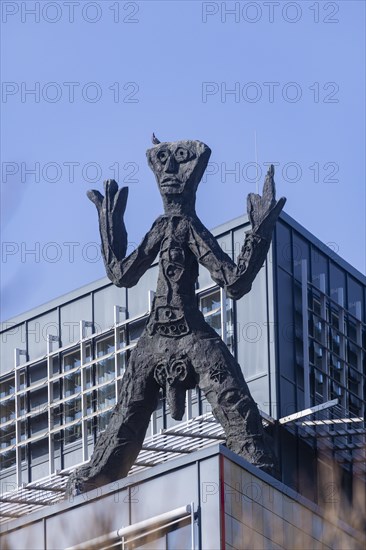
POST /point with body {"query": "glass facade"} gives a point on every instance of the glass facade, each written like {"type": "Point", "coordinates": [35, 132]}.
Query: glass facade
{"type": "Point", "coordinates": [299, 336]}
{"type": "Point", "coordinates": [53, 410]}
{"type": "Point", "coordinates": [321, 353]}
{"type": "Point", "coordinates": [321, 316]}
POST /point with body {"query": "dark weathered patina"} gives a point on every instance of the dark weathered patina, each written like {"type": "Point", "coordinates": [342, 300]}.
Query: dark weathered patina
{"type": "Point", "coordinates": [178, 349]}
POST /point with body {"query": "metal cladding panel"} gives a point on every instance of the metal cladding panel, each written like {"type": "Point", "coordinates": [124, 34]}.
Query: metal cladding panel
{"type": "Point", "coordinates": [225, 242]}
{"type": "Point", "coordinates": [138, 296]}
{"type": "Point", "coordinates": [239, 507]}
{"type": "Point", "coordinates": [104, 302]}
{"type": "Point", "coordinates": [259, 389]}
{"type": "Point", "coordinates": [89, 520]}
{"type": "Point", "coordinates": [71, 315]}
{"type": "Point", "coordinates": [30, 537]}
{"type": "Point", "coordinates": [163, 493]}
{"type": "Point", "coordinates": [238, 240]}
{"type": "Point", "coordinates": [254, 329]}
{"type": "Point", "coordinates": [38, 330]}
{"type": "Point", "coordinates": [252, 325]}
{"type": "Point", "coordinates": [204, 277]}
{"type": "Point", "coordinates": [210, 503]}
{"type": "Point", "coordinates": [267, 514]}
{"type": "Point", "coordinates": [14, 337]}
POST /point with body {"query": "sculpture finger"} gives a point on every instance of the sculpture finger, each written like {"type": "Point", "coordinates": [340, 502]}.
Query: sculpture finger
{"type": "Point", "coordinates": [269, 188]}
{"type": "Point", "coordinates": [111, 188]}
{"type": "Point", "coordinates": [120, 200]}
{"type": "Point", "coordinates": [280, 204]}
{"type": "Point", "coordinates": [275, 212]}
{"type": "Point", "coordinates": [253, 201]}
{"type": "Point", "coordinates": [266, 226]}
{"type": "Point", "coordinates": [96, 197]}
{"type": "Point", "coordinates": [253, 208]}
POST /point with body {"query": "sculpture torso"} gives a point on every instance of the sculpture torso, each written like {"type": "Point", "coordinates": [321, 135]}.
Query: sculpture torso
{"type": "Point", "coordinates": [175, 298]}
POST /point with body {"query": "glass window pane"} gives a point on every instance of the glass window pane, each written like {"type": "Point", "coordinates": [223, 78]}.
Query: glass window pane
{"type": "Point", "coordinates": [214, 321]}
{"type": "Point", "coordinates": [337, 284]}
{"type": "Point", "coordinates": [39, 423]}
{"type": "Point", "coordinates": [352, 354]}
{"type": "Point", "coordinates": [319, 269]}
{"type": "Point", "coordinates": [319, 382]}
{"type": "Point", "coordinates": [72, 410]}
{"type": "Point", "coordinates": [71, 360]}
{"type": "Point", "coordinates": [56, 416]}
{"type": "Point", "coordinates": [90, 402]}
{"type": "Point", "coordinates": [105, 346]}
{"type": "Point", "coordinates": [122, 338]}
{"type": "Point", "coordinates": [56, 390]}
{"type": "Point", "coordinates": [55, 364]}
{"type": "Point", "coordinates": [7, 410]}
{"type": "Point", "coordinates": [7, 436]}
{"type": "Point", "coordinates": [38, 448]}
{"type": "Point", "coordinates": [354, 297]}
{"type": "Point", "coordinates": [210, 305]}
{"type": "Point", "coordinates": [135, 331]}
{"type": "Point", "coordinates": [283, 246]}
{"type": "Point", "coordinates": [72, 433]}
{"type": "Point", "coordinates": [300, 252]}
{"type": "Point", "coordinates": [38, 398]}
{"type": "Point", "coordinates": [106, 396]}
{"type": "Point", "coordinates": [210, 302]}
{"type": "Point", "coordinates": [23, 405]}
{"type": "Point", "coordinates": [121, 363]}
{"type": "Point", "coordinates": [37, 372]}
{"type": "Point", "coordinates": [89, 377]}
{"type": "Point", "coordinates": [91, 427]}
{"type": "Point", "coordinates": [102, 420]}
{"type": "Point", "coordinates": [355, 405]}
{"type": "Point", "coordinates": [72, 383]}
{"type": "Point", "coordinates": [88, 353]}
{"type": "Point", "coordinates": [7, 460]}
{"type": "Point", "coordinates": [7, 387]}
{"type": "Point", "coordinates": [351, 330]}
{"type": "Point", "coordinates": [105, 370]}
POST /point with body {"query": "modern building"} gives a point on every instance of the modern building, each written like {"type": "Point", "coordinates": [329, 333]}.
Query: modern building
{"type": "Point", "coordinates": [300, 338]}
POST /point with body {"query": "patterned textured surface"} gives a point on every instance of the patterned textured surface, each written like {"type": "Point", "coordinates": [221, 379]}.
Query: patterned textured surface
{"type": "Point", "coordinates": [178, 349]}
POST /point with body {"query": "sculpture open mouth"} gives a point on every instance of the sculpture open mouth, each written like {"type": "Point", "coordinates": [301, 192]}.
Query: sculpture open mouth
{"type": "Point", "coordinates": [170, 182]}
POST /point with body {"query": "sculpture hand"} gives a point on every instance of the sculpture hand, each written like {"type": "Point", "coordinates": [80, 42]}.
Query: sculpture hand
{"type": "Point", "coordinates": [111, 209]}
{"type": "Point", "coordinates": [264, 210]}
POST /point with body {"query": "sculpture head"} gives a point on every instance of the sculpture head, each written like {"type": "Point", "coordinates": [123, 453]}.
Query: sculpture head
{"type": "Point", "coordinates": [178, 167]}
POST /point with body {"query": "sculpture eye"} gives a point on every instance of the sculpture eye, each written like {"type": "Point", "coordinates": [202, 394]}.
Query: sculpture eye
{"type": "Point", "coordinates": [162, 156]}
{"type": "Point", "coordinates": [181, 154]}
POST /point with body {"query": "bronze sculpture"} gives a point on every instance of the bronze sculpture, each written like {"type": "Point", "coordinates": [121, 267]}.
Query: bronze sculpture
{"type": "Point", "coordinates": [177, 349]}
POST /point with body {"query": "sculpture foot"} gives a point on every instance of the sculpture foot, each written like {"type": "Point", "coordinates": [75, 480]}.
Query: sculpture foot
{"type": "Point", "coordinates": [80, 481]}
{"type": "Point", "coordinates": [255, 450]}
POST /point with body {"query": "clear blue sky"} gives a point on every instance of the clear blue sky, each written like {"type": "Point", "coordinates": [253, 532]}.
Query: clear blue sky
{"type": "Point", "coordinates": [107, 74]}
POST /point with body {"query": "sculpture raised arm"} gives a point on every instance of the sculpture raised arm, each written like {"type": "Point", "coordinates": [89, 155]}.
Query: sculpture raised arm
{"type": "Point", "coordinates": [120, 270]}
{"type": "Point", "coordinates": [237, 279]}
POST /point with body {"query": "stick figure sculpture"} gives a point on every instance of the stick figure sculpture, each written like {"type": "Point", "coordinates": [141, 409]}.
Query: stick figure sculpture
{"type": "Point", "coordinates": [178, 349]}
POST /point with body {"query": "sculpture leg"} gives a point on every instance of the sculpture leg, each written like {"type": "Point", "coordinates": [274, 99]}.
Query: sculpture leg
{"type": "Point", "coordinates": [221, 380]}
{"type": "Point", "coordinates": [119, 445]}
